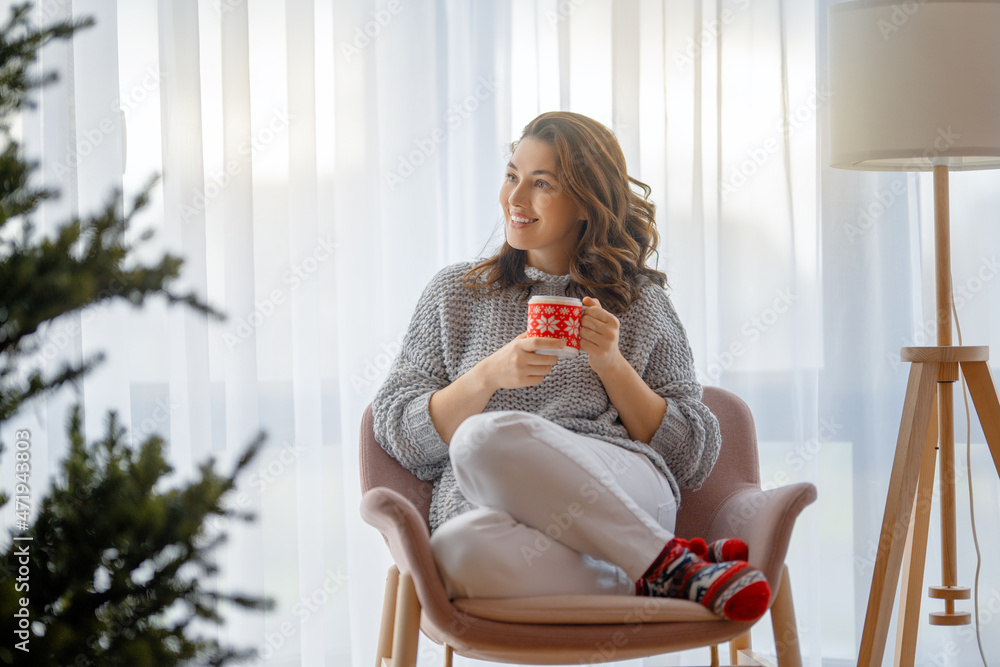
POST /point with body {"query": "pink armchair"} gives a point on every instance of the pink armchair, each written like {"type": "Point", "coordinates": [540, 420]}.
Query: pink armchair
{"type": "Point", "coordinates": [598, 628]}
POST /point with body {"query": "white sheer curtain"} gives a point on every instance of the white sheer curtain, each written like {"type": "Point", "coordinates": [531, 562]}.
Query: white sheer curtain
{"type": "Point", "coordinates": [322, 159]}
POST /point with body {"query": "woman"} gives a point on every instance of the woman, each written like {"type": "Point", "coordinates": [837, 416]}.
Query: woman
{"type": "Point", "coordinates": [561, 476]}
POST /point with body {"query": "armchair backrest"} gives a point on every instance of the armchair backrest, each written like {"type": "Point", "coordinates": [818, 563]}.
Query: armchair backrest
{"type": "Point", "coordinates": [736, 470]}
{"type": "Point", "coordinates": [380, 469]}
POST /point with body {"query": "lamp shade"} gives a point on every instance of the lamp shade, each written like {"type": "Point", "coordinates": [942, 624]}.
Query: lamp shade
{"type": "Point", "coordinates": [915, 84]}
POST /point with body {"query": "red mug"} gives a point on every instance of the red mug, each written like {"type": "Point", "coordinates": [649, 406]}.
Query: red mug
{"type": "Point", "coordinates": [556, 317]}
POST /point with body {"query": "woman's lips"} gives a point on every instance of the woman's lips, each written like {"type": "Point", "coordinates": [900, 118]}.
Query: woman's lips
{"type": "Point", "coordinates": [520, 221]}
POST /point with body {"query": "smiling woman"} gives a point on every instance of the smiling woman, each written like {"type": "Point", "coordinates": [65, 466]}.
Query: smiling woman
{"type": "Point", "coordinates": [536, 203]}
{"type": "Point", "coordinates": [569, 208]}
{"type": "Point", "coordinates": [511, 439]}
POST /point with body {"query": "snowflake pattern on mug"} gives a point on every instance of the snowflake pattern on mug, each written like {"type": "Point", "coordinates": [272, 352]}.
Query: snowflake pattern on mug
{"type": "Point", "coordinates": [548, 324]}
{"type": "Point", "coordinates": [555, 321]}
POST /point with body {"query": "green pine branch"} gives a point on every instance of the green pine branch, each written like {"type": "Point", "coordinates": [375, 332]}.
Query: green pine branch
{"type": "Point", "coordinates": [20, 41]}
{"type": "Point", "coordinates": [86, 261]}
{"type": "Point", "coordinates": [117, 562]}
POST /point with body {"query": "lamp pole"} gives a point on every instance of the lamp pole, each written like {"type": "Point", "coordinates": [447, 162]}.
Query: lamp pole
{"type": "Point", "coordinates": [949, 590]}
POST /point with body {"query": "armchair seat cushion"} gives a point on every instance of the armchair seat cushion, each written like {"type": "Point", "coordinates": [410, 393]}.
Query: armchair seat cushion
{"type": "Point", "coordinates": [585, 610]}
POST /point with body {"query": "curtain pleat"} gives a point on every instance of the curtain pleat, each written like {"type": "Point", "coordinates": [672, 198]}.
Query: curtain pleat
{"type": "Point", "coordinates": [184, 227]}
{"type": "Point", "coordinates": [98, 170]}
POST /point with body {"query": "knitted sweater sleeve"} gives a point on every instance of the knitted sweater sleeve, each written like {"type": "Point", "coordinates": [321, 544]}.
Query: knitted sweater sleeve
{"type": "Point", "coordinates": [688, 438]}
{"type": "Point", "coordinates": [400, 407]}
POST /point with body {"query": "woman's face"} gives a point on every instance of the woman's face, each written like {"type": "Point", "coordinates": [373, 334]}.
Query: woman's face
{"type": "Point", "coordinates": [531, 192]}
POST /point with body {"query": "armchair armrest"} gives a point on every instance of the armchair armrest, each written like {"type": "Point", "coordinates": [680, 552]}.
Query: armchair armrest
{"type": "Point", "coordinates": [764, 520]}
{"type": "Point", "coordinates": [408, 538]}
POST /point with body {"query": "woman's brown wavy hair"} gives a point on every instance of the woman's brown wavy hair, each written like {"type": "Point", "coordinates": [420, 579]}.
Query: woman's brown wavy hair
{"type": "Point", "coordinates": [619, 231]}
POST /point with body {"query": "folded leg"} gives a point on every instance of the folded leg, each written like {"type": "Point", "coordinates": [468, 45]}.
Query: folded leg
{"type": "Point", "coordinates": [591, 496]}
{"type": "Point", "coordinates": [486, 553]}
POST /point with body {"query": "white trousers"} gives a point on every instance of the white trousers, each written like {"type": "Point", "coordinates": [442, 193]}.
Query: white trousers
{"type": "Point", "coordinates": [559, 513]}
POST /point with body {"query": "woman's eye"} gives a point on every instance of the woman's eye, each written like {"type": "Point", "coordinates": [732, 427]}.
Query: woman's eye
{"type": "Point", "coordinates": [510, 177]}
{"type": "Point", "coordinates": [542, 184]}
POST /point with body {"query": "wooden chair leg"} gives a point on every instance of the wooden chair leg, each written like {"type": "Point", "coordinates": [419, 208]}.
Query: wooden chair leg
{"type": "Point", "coordinates": [714, 653]}
{"type": "Point", "coordinates": [407, 626]}
{"type": "Point", "coordinates": [384, 649]}
{"type": "Point", "coordinates": [786, 633]}
{"type": "Point", "coordinates": [737, 644]}
{"type": "Point", "coordinates": [447, 655]}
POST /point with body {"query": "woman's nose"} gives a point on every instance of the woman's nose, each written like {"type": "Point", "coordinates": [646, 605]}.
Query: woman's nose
{"type": "Point", "coordinates": [516, 195]}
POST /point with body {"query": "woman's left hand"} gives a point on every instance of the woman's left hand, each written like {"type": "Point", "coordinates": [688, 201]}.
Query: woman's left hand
{"type": "Point", "coordinates": [599, 336]}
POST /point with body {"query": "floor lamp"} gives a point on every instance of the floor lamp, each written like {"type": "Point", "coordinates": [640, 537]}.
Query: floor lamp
{"type": "Point", "coordinates": [915, 86]}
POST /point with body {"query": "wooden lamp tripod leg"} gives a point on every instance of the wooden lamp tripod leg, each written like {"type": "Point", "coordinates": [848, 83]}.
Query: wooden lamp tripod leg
{"type": "Point", "coordinates": [920, 393]}
{"type": "Point", "coordinates": [984, 396]}
{"type": "Point", "coordinates": [915, 553]}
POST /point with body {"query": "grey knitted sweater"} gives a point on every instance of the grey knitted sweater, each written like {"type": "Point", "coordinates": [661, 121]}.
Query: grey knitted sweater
{"type": "Point", "coordinates": [451, 331]}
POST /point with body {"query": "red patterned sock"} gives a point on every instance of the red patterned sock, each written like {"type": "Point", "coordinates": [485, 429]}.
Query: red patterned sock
{"type": "Point", "coordinates": [736, 590]}
{"type": "Point", "coordinates": [721, 551]}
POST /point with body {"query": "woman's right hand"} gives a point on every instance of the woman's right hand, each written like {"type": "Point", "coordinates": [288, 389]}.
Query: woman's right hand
{"type": "Point", "coordinates": [518, 364]}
